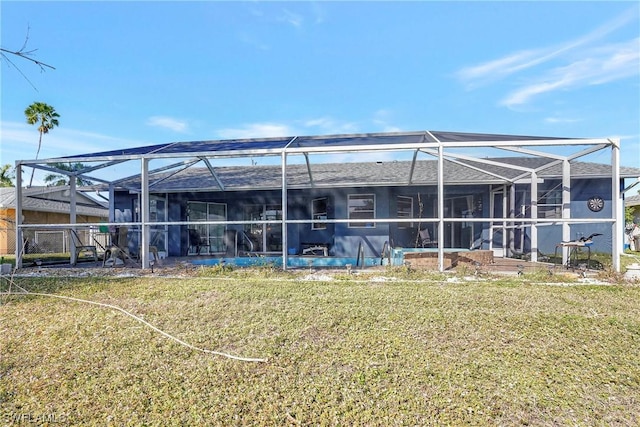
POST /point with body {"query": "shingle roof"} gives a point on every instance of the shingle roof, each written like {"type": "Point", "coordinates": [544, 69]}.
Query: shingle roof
{"type": "Point", "coordinates": [51, 199]}
{"type": "Point", "coordinates": [365, 174]}
{"type": "Point", "coordinates": [632, 201]}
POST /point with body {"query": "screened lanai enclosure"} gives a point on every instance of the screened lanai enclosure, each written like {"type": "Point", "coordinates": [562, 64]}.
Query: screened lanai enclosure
{"type": "Point", "coordinates": [346, 198]}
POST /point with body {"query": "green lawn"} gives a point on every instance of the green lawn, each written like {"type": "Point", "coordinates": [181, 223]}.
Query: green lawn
{"type": "Point", "coordinates": [340, 352]}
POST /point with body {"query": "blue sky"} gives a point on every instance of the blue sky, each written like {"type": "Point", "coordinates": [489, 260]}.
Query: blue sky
{"type": "Point", "coordinates": [139, 73]}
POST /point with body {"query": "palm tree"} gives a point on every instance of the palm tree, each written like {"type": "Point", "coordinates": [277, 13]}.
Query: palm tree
{"type": "Point", "coordinates": [46, 117]}
{"type": "Point", "coordinates": [54, 179]}
{"type": "Point", "coordinates": [6, 176]}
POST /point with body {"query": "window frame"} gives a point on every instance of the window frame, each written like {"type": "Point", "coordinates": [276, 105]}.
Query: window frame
{"type": "Point", "coordinates": [402, 214]}
{"type": "Point", "coordinates": [319, 215]}
{"type": "Point", "coordinates": [549, 202]}
{"type": "Point", "coordinates": [359, 196]}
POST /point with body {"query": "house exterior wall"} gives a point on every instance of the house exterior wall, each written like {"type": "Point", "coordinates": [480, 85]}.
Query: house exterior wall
{"type": "Point", "coordinates": [7, 231]}
{"type": "Point", "coordinates": [341, 239]}
{"type": "Point", "coordinates": [549, 236]}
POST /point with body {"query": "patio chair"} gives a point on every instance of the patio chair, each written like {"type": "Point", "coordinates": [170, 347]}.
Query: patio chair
{"type": "Point", "coordinates": [118, 249]}
{"type": "Point", "coordinates": [425, 239]}
{"type": "Point", "coordinates": [81, 248]}
{"type": "Point", "coordinates": [197, 241]}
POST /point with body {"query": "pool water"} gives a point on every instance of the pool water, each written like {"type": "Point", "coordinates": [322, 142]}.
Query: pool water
{"type": "Point", "coordinates": [396, 258]}
{"type": "Point", "coordinates": [291, 261]}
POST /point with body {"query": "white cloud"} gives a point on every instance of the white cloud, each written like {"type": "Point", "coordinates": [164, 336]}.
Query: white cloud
{"type": "Point", "coordinates": [320, 125]}
{"type": "Point", "coordinates": [170, 123]}
{"type": "Point", "coordinates": [255, 130]}
{"type": "Point", "coordinates": [319, 122]}
{"type": "Point", "coordinates": [291, 18]}
{"type": "Point", "coordinates": [327, 125]}
{"type": "Point", "coordinates": [578, 63]}
{"type": "Point", "coordinates": [597, 66]}
{"type": "Point", "coordinates": [629, 149]}
{"type": "Point", "coordinates": [522, 60]}
{"type": "Point", "coordinates": [324, 125]}
{"type": "Point", "coordinates": [617, 61]}
{"type": "Point", "coordinates": [319, 12]}
{"type": "Point", "coordinates": [556, 119]}
{"type": "Point", "coordinates": [20, 142]}
{"type": "Point", "coordinates": [381, 120]}
{"type": "Point", "coordinates": [499, 68]}
{"type": "Point", "coordinates": [253, 41]}
{"type": "Point", "coordinates": [315, 13]}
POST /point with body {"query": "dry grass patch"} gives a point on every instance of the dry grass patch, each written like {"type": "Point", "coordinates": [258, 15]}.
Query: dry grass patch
{"type": "Point", "coordinates": [340, 352]}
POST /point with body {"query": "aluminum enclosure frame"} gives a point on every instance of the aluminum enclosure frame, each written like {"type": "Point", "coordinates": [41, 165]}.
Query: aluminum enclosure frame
{"type": "Point", "coordinates": [441, 145]}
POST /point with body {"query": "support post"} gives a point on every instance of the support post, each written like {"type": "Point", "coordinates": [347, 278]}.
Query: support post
{"type": "Point", "coordinates": [440, 207]}
{"type": "Point", "coordinates": [617, 206]}
{"type": "Point", "coordinates": [112, 198]}
{"type": "Point", "coordinates": [512, 214]}
{"type": "Point", "coordinates": [506, 234]}
{"type": "Point", "coordinates": [285, 245]}
{"type": "Point", "coordinates": [144, 214]}
{"type": "Point", "coordinates": [19, 234]}
{"type": "Point", "coordinates": [534, 216]}
{"type": "Point", "coordinates": [73, 219]}
{"type": "Point", "coordinates": [566, 208]}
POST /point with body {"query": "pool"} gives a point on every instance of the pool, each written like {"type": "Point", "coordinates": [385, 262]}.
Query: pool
{"type": "Point", "coordinates": [397, 258]}
{"type": "Point", "coordinates": [293, 261]}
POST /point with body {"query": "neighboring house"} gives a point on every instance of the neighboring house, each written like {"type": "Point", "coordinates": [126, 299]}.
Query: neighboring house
{"type": "Point", "coordinates": [44, 205]}
{"type": "Point", "coordinates": [632, 229]}
{"type": "Point", "coordinates": [512, 194]}
{"type": "Point", "coordinates": [633, 202]}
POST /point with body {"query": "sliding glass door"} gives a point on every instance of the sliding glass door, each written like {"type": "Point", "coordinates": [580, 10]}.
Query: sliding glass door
{"type": "Point", "coordinates": [213, 233]}
{"type": "Point", "coordinates": [264, 237]}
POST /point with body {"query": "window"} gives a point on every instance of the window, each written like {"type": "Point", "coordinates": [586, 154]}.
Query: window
{"type": "Point", "coordinates": [318, 213]}
{"type": "Point", "coordinates": [362, 206]}
{"type": "Point", "coordinates": [405, 210]}
{"type": "Point", "coordinates": [550, 202]}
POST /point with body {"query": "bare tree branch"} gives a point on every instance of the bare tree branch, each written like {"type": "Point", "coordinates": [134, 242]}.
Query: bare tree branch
{"type": "Point", "coordinates": [18, 70]}
{"type": "Point", "coordinates": [24, 54]}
